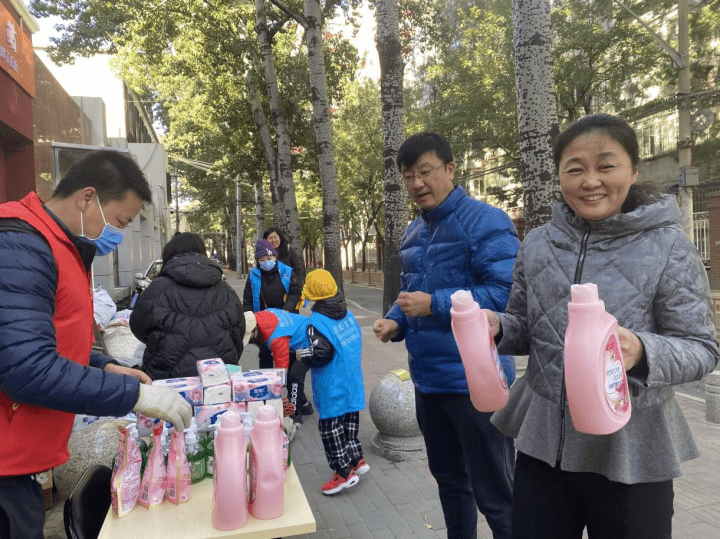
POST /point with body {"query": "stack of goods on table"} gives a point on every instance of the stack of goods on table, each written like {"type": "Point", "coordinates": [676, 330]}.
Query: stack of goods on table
{"type": "Point", "coordinates": [149, 474]}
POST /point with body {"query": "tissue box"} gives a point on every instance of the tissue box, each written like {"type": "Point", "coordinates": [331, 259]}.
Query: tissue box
{"type": "Point", "coordinates": [252, 406]}
{"type": "Point", "coordinates": [233, 368]}
{"type": "Point", "coordinates": [254, 386]}
{"type": "Point", "coordinates": [213, 372]}
{"type": "Point", "coordinates": [207, 415]}
{"type": "Point", "coordinates": [280, 373]}
{"type": "Point", "coordinates": [218, 394]}
{"type": "Point", "coordinates": [190, 388]}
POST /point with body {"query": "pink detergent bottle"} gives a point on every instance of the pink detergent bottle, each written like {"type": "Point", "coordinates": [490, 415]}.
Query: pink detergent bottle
{"type": "Point", "coordinates": [595, 378]}
{"type": "Point", "coordinates": [266, 484]}
{"type": "Point", "coordinates": [483, 370]}
{"type": "Point", "coordinates": [230, 510]}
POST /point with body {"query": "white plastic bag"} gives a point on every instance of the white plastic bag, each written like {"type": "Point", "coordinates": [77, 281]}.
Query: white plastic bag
{"type": "Point", "coordinates": [103, 307]}
{"type": "Point", "coordinates": [121, 345]}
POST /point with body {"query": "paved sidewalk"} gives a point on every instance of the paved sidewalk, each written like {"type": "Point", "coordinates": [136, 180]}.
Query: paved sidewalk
{"type": "Point", "coordinates": [399, 500]}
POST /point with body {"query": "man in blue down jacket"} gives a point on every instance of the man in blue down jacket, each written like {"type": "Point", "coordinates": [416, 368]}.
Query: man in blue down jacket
{"type": "Point", "coordinates": [456, 243]}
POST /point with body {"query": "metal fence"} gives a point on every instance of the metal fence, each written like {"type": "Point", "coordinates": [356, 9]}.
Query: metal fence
{"type": "Point", "coordinates": [701, 235]}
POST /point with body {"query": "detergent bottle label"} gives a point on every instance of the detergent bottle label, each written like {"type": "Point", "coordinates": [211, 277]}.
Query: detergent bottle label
{"type": "Point", "coordinates": [498, 363]}
{"type": "Point", "coordinates": [616, 387]}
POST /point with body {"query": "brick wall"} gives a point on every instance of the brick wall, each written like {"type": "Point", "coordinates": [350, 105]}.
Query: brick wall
{"type": "Point", "coordinates": [714, 219]}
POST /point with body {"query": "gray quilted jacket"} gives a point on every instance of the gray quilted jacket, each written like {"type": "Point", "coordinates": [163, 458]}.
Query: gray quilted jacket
{"type": "Point", "coordinates": [651, 279]}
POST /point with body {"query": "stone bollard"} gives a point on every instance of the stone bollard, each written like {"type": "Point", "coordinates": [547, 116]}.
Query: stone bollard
{"type": "Point", "coordinates": [712, 397]}
{"type": "Point", "coordinates": [392, 410]}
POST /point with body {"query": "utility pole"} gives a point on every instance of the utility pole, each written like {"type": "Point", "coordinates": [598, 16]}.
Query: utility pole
{"type": "Point", "coordinates": [238, 228]}
{"type": "Point", "coordinates": [681, 58]}
{"type": "Point", "coordinates": [684, 122]}
{"type": "Point", "coordinates": [177, 204]}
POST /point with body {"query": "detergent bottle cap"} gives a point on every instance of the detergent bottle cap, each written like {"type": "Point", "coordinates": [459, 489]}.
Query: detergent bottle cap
{"type": "Point", "coordinates": [462, 300]}
{"type": "Point", "coordinates": [584, 293]}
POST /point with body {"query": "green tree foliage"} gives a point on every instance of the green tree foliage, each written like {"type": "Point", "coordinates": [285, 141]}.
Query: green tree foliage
{"type": "Point", "coordinates": [467, 85]}
{"type": "Point", "coordinates": [602, 59]}
{"type": "Point", "coordinates": [359, 158]}
{"type": "Point", "coordinates": [191, 57]}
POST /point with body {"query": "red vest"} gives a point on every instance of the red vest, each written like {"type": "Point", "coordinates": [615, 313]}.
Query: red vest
{"type": "Point", "coordinates": [35, 439]}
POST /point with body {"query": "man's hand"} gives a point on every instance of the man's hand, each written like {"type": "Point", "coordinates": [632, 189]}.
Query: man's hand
{"type": "Point", "coordinates": [163, 402]}
{"type": "Point", "coordinates": [385, 329]}
{"type": "Point", "coordinates": [118, 369]}
{"type": "Point", "coordinates": [631, 347]}
{"type": "Point", "coordinates": [494, 321]}
{"type": "Point", "coordinates": [415, 303]}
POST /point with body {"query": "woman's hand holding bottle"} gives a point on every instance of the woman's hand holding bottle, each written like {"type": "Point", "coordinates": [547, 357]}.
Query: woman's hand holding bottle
{"type": "Point", "coordinates": [494, 321]}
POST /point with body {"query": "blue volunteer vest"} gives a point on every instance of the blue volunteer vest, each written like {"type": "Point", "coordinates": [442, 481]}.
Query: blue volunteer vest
{"type": "Point", "coordinates": [338, 387]}
{"type": "Point", "coordinates": [290, 325]}
{"type": "Point", "coordinates": [256, 282]}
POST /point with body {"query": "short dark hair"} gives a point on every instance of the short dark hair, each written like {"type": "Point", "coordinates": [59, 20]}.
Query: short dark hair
{"type": "Point", "coordinates": [415, 146]}
{"type": "Point", "coordinates": [110, 172]}
{"type": "Point", "coordinates": [283, 247]}
{"type": "Point", "coordinates": [615, 127]}
{"type": "Point", "coordinates": [183, 242]}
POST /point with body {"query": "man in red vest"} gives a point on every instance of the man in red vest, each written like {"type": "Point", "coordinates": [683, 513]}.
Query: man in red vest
{"type": "Point", "coordinates": [48, 371]}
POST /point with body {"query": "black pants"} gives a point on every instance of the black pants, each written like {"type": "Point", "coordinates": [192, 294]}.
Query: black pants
{"type": "Point", "coordinates": [296, 382]}
{"type": "Point", "coordinates": [471, 461]}
{"type": "Point", "coordinates": [339, 436]}
{"type": "Point", "coordinates": [265, 356]}
{"type": "Point", "coordinates": [554, 504]}
{"type": "Point", "coordinates": [22, 508]}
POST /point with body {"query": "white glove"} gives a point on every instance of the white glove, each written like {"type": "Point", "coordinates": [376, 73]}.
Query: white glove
{"type": "Point", "coordinates": [166, 403]}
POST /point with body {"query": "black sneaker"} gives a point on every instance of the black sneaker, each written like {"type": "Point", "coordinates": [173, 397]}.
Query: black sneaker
{"type": "Point", "coordinates": [297, 419]}
{"type": "Point", "coordinates": [306, 409]}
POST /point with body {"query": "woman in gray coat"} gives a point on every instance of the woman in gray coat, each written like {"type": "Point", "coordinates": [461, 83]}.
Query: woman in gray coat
{"type": "Point", "coordinates": [628, 241]}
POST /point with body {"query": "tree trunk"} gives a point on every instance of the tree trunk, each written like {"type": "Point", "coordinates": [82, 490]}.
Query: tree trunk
{"type": "Point", "coordinates": [230, 233]}
{"type": "Point", "coordinates": [391, 90]}
{"type": "Point", "coordinates": [260, 211]}
{"type": "Point", "coordinates": [352, 248]}
{"type": "Point", "coordinates": [537, 117]}
{"type": "Point", "coordinates": [323, 136]}
{"type": "Point", "coordinates": [285, 212]}
{"type": "Point", "coordinates": [268, 149]}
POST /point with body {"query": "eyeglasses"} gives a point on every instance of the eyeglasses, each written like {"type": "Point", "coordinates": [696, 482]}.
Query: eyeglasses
{"type": "Point", "coordinates": [409, 177]}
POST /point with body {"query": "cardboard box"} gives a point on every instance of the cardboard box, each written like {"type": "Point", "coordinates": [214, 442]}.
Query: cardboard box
{"type": "Point", "coordinates": [50, 492]}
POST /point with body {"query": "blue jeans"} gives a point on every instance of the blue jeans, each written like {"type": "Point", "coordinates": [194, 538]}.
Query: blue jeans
{"type": "Point", "coordinates": [471, 461]}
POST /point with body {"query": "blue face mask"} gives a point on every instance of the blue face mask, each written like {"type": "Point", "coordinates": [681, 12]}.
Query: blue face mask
{"type": "Point", "coordinates": [267, 265]}
{"type": "Point", "coordinates": [109, 238]}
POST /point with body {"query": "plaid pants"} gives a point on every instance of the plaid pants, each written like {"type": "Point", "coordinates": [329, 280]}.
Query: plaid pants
{"type": "Point", "coordinates": [340, 439]}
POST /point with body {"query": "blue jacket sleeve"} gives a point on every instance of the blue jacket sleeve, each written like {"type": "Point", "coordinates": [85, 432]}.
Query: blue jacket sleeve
{"type": "Point", "coordinates": [396, 314]}
{"type": "Point", "coordinates": [31, 370]}
{"type": "Point", "coordinates": [494, 245]}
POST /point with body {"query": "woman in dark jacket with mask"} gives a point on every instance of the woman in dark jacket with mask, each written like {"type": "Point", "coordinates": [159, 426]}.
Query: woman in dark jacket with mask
{"type": "Point", "coordinates": [270, 284]}
{"type": "Point", "coordinates": [187, 313]}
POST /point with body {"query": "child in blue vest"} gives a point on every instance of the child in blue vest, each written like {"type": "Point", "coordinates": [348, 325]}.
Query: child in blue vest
{"type": "Point", "coordinates": [334, 355]}
{"type": "Point", "coordinates": [283, 333]}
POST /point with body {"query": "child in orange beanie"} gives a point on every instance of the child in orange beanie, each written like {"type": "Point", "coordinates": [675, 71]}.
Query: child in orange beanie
{"type": "Point", "coordinates": [333, 354]}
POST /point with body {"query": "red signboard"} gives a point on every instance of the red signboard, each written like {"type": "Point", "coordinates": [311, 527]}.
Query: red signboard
{"type": "Point", "coordinates": [16, 51]}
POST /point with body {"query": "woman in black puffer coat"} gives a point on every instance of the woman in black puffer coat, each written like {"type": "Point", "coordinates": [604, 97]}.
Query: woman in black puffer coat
{"type": "Point", "coordinates": [285, 253]}
{"type": "Point", "coordinates": [187, 313]}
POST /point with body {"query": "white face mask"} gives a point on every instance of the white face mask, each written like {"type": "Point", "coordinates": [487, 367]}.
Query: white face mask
{"type": "Point", "coordinates": [109, 238]}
